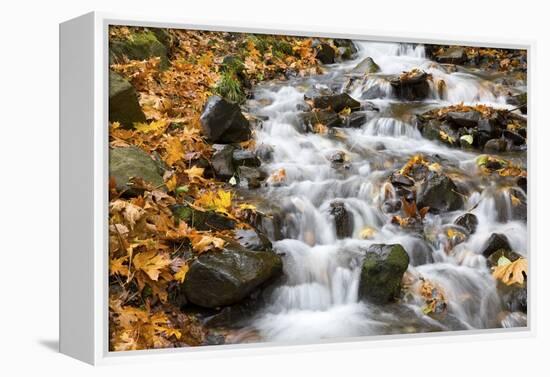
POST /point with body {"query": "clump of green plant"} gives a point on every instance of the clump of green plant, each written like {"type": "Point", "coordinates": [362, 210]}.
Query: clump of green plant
{"type": "Point", "coordinates": [229, 87]}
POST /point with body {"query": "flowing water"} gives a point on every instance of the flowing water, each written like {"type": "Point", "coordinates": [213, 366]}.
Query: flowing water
{"type": "Point", "coordinates": [319, 295]}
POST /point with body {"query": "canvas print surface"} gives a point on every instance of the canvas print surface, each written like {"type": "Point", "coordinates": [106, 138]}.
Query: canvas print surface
{"type": "Point", "coordinates": [269, 188]}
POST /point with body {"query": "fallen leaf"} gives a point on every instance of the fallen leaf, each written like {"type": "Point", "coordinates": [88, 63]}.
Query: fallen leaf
{"type": "Point", "coordinates": [151, 263]}
{"type": "Point", "coordinates": [511, 273]}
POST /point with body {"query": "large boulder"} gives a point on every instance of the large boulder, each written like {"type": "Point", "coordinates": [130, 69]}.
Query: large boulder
{"type": "Point", "coordinates": [440, 193]}
{"type": "Point", "coordinates": [123, 102]}
{"type": "Point", "coordinates": [139, 46]}
{"type": "Point", "coordinates": [336, 102]}
{"type": "Point", "coordinates": [221, 278]}
{"type": "Point", "coordinates": [411, 86]}
{"type": "Point", "coordinates": [382, 272]}
{"type": "Point", "coordinates": [343, 220]}
{"type": "Point", "coordinates": [365, 67]}
{"type": "Point", "coordinates": [125, 163]}
{"type": "Point", "coordinates": [223, 122]}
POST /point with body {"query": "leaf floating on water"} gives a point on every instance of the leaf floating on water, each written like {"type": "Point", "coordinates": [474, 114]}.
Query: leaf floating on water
{"type": "Point", "coordinates": [278, 176]}
{"type": "Point", "coordinates": [368, 233]}
{"type": "Point", "coordinates": [511, 273]}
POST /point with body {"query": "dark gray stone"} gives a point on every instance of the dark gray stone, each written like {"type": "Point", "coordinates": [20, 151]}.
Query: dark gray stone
{"type": "Point", "coordinates": [440, 193]}
{"type": "Point", "coordinates": [495, 242]}
{"type": "Point", "coordinates": [221, 278]}
{"type": "Point", "coordinates": [223, 122]}
{"type": "Point", "coordinates": [343, 220]}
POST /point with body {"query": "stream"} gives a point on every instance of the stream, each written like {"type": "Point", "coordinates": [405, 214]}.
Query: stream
{"type": "Point", "coordinates": [318, 297]}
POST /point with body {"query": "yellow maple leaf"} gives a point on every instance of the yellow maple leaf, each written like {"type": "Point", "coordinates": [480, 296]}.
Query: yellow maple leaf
{"type": "Point", "coordinates": [174, 150]}
{"type": "Point", "coordinates": [511, 273]}
{"type": "Point", "coordinates": [157, 127]}
{"type": "Point", "coordinates": [202, 243]}
{"type": "Point", "coordinates": [219, 201]}
{"type": "Point", "coordinates": [194, 173]}
{"type": "Point", "coordinates": [180, 275]}
{"type": "Point", "coordinates": [116, 266]}
{"type": "Point", "coordinates": [171, 183]}
{"type": "Point", "coordinates": [151, 263]}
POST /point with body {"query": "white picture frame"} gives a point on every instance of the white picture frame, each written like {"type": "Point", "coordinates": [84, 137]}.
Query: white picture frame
{"type": "Point", "coordinates": [84, 192]}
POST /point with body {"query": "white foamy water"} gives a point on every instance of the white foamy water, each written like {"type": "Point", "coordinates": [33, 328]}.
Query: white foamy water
{"type": "Point", "coordinates": [319, 297]}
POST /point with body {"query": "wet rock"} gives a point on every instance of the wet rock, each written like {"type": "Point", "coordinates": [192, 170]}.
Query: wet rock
{"type": "Point", "coordinates": [522, 183]}
{"type": "Point", "coordinates": [223, 122]}
{"type": "Point", "coordinates": [518, 201]}
{"type": "Point", "coordinates": [251, 177]}
{"type": "Point", "coordinates": [265, 152]}
{"type": "Point", "coordinates": [339, 160]}
{"type": "Point", "coordinates": [514, 137]}
{"type": "Point", "coordinates": [365, 67]}
{"type": "Point", "coordinates": [245, 157]}
{"type": "Point", "coordinates": [125, 163]}
{"type": "Point", "coordinates": [391, 206]}
{"type": "Point", "coordinates": [467, 221]}
{"type": "Point", "coordinates": [468, 119]}
{"type": "Point", "coordinates": [440, 193]}
{"type": "Point", "coordinates": [235, 316]}
{"type": "Point", "coordinates": [411, 86]}
{"type": "Point", "coordinates": [202, 220]}
{"type": "Point", "coordinates": [343, 220]}
{"type": "Point", "coordinates": [419, 251]}
{"type": "Point", "coordinates": [514, 297]}
{"type": "Point", "coordinates": [139, 46]}
{"type": "Point", "coordinates": [494, 243]}
{"type": "Point", "coordinates": [222, 161]}
{"type": "Point", "coordinates": [512, 256]}
{"type": "Point", "coordinates": [354, 120]}
{"type": "Point", "coordinates": [325, 53]}
{"type": "Point", "coordinates": [374, 92]}
{"type": "Point", "coordinates": [346, 47]}
{"type": "Point", "coordinates": [317, 90]}
{"type": "Point", "coordinates": [520, 101]}
{"type": "Point", "coordinates": [495, 146]}
{"type": "Point", "coordinates": [382, 272]}
{"type": "Point", "coordinates": [252, 239]}
{"type": "Point", "coordinates": [327, 118]}
{"type": "Point", "coordinates": [123, 102]}
{"type": "Point", "coordinates": [397, 179]}
{"type": "Point", "coordinates": [452, 55]}
{"type": "Point", "coordinates": [222, 278]}
{"type": "Point", "coordinates": [336, 102]}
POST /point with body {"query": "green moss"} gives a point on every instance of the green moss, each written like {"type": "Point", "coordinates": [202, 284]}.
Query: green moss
{"type": "Point", "coordinates": [140, 46]}
{"type": "Point", "coordinates": [229, 87]}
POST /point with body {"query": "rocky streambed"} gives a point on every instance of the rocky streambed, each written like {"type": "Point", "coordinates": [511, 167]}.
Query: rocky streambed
{"type": "Point", "coordinates": [389, 196]}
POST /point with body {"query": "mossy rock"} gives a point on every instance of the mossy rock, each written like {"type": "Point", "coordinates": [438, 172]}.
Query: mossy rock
{"type": "Point", "coordinates": [125, 163]}
{"type": "Point", "coordinates": [123, 102]}
{"type": "Point", "coordinates": [139, 46]}
{"type": "Point", "coordinates": [382, 272]}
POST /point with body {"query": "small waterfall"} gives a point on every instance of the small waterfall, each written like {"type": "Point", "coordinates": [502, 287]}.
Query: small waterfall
{"type": "Point", "coordinates": [319, 296]}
